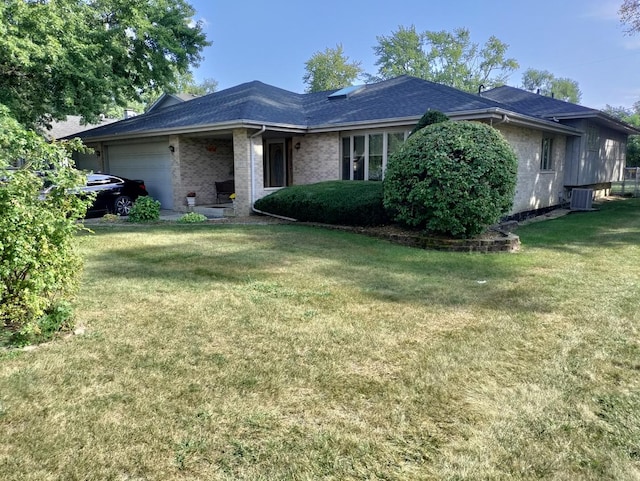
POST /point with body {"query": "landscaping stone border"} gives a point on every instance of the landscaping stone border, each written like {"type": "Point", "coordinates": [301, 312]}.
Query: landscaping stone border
{"type": "Point", "coordinates": [490, 242]}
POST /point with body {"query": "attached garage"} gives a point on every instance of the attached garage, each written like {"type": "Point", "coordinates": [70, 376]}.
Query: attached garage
{"type": "Point", "coordinates": [149, 161]}
{"type": "Point", "coordinates": [89, 162]}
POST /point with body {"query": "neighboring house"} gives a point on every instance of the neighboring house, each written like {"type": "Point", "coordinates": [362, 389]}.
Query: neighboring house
{"type": "Point", "coordinates": [266, 138]}
{"type": "Point", "coordinates": [72, 125]}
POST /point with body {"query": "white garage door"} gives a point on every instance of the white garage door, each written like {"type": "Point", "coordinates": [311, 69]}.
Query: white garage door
{"type": "Point", "coordinates": [150, 162]}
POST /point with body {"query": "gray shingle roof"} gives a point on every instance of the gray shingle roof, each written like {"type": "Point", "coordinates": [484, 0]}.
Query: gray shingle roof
{"type": "Point", "coordinates": [399, 98]}
{"type": "Point", "coordinates": [256, 102]}
{"type": "Point", "coordinates": [549, 108]}
{"type": "Point", "coordinates": [535, 104]}
{"type": "Point", "coordinates": [72, 125]}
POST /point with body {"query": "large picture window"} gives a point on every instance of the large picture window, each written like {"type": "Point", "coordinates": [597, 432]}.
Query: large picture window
{"type": "Point", "coordinates": [364, 157]}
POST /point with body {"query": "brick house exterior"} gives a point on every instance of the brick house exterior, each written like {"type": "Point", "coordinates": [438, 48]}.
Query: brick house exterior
{"type": "Point", "coordinates": [265, 138]}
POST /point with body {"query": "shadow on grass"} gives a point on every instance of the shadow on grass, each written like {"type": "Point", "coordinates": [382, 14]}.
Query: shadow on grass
{"type": "Point", "coordinates": [215, 256]}
{"type": "Point", "coordinates": [377, 270]}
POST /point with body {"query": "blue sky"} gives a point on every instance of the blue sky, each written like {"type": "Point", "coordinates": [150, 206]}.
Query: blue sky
{"type": "Point", "coordinates": [271, 40]}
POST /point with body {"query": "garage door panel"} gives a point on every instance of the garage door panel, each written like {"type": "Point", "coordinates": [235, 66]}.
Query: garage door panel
{"type": "Point", "coordinates": [150, 162]}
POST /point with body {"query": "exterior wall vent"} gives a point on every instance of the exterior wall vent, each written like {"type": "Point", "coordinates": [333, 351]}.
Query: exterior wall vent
{"type": "Point", "coordinates": [581, 199]}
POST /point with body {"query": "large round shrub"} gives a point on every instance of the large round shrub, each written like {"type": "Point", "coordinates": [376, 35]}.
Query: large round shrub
{"type": "Point", "coordinates": [342, 202]}
{"type": "Point", "coordinates": [430, 117]}
{"type": "Point", "coordinates": [451, 178]}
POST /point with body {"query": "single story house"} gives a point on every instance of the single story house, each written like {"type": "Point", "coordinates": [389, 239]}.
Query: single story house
{"type": "Point", "coordinates": [266, 138]}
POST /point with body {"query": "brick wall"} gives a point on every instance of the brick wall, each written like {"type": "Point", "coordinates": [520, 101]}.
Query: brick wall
{"type": "Point", "coordinates": [318, 158]}
{"type": "Point", "coordinates": [535, 189]}
{"type": "Point", "coordinates": [199, 163]}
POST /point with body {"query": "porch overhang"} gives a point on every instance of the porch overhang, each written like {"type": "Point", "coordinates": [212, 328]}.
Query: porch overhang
{"type": "Point", "coordinates": [217, 129]}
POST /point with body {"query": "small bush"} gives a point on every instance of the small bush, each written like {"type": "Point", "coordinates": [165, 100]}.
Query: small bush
{"type": "Point", "coordinates": [451, 178]}
{"type": "Point", "coordinates": [192, 218]}
{"type": "Point", "coordinates": [334, 202]}
{"type": "Point", "coordinates": [110, 218]}
{"type": "Point", "coordinates": [56, 319]}
{"type": "Point", "coordinates": [145, 209]}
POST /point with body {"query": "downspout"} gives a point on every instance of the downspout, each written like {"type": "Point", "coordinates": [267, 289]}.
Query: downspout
{"type": "Point", "coordinates": [253, 169]}
{"type": "Point", "coordinates": [505, 120]}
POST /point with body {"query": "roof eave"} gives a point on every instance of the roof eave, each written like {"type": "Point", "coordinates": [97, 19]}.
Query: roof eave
{"type": "Point", "coordinates": [364, 124]}
{"type": "Point", "coordinates": [513, 118]}
{"type": "Point", "coordinates": [606, 119]}
{"type": "Point", "coordinates": [197, 129]}
{"type": "Point", "coordinates": [492, 113]}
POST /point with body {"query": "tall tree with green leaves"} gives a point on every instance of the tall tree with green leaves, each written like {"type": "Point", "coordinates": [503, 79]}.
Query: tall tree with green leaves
{"type": "Point", "coordinates": [449, 58]}
{"type": "Point", "coordinates": [548, 84]}
{"type": "Point", "coordinates": [631, 116]}
{"type": "Point", "coordinates": [401, 53]}
{"type": "Point", "coordinates": [62, 57]}
{"type": "Point", "coordinates": [184, 83]}
{"type": "Point", "coordinates": [330, 70]}
{"type": "Point", "coordinates": [630, 15]}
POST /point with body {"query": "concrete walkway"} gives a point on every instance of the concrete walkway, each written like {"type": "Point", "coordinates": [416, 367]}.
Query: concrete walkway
{"type": "Point", "coordinates": [170, 215]}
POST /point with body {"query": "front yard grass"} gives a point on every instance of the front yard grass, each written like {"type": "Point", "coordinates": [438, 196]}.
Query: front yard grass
{"type": "Point", "coordinates": [284, 352]}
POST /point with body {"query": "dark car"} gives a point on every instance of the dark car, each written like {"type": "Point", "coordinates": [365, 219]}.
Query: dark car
{"type": "Point", "coordinates": [115, 194]}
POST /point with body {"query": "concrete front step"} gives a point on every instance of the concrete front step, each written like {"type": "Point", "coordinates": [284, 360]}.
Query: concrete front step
{"type": "Point", "coordinates": [215, 211]}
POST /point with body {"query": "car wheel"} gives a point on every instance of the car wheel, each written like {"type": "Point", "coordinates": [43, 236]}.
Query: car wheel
{"type": "Point", "coordinates": [123, 205]}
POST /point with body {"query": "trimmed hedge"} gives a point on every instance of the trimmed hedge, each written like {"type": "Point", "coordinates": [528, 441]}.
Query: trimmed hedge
{"type": "Point", "coordinates": [340, 202]}
{"type": "Point", "coordinates": [451, 178]}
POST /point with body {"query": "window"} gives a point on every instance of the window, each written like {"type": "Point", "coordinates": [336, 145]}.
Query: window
{"type": "Point", "coordinates": [395, 141]}
{"type": "Point", "coordinates": [358, 157]}
{"type": "Point", "coordinates": [364, 157]}
{"type": "Point", "coordinates": [275, 164]}
{"type": "Point", "coordinates": [375, 156]}
{"type": "Point", "coordinates": [546, 156]}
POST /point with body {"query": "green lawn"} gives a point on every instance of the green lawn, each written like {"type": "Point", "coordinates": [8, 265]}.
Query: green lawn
{"type": "Point", "coordinates": [284, 352]}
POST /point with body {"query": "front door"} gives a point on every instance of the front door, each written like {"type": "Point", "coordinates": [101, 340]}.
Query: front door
{"type": "Point", "coordinates": [275, 164]}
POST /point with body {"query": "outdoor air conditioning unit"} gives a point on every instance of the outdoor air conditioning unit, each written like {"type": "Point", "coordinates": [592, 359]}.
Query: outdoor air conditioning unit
{"type": "Point", "coordinates": [581, 199]}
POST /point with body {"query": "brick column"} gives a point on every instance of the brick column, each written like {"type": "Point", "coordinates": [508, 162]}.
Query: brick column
{"type": "Point", "coordinates": [179, 194]}
{"type": "Point", "coordinates": [242, 170]}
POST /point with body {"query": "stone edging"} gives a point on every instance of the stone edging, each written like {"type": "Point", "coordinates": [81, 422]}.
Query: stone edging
{"type": "Point", "coordinates": [495, 241]}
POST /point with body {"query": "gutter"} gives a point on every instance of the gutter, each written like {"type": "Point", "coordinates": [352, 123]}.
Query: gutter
{"type": "Point", "coordinates": [505, 120]}
{"type": "Point", "coordinates": [514, 118]}
{"type": "Point", "coordinates": [220, 127]}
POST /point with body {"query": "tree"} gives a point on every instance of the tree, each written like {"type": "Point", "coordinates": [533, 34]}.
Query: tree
{"type": "Point", "coordinates": [548, 84]}
{"type": "Point", "coordinates": [330, 70]}
{"type": "Point", "coordinates": [63, 57]}
{"type": "Point", "coordinates": [630, 15]}
{"type": "Point", "coordinates": [183, 83]}
{"type": "Point", "coordinates": [449, 58]}
{"type": "Point", "coordinates": [631, 116]}
{"type": "Point", "coordinates": [401, 54]}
